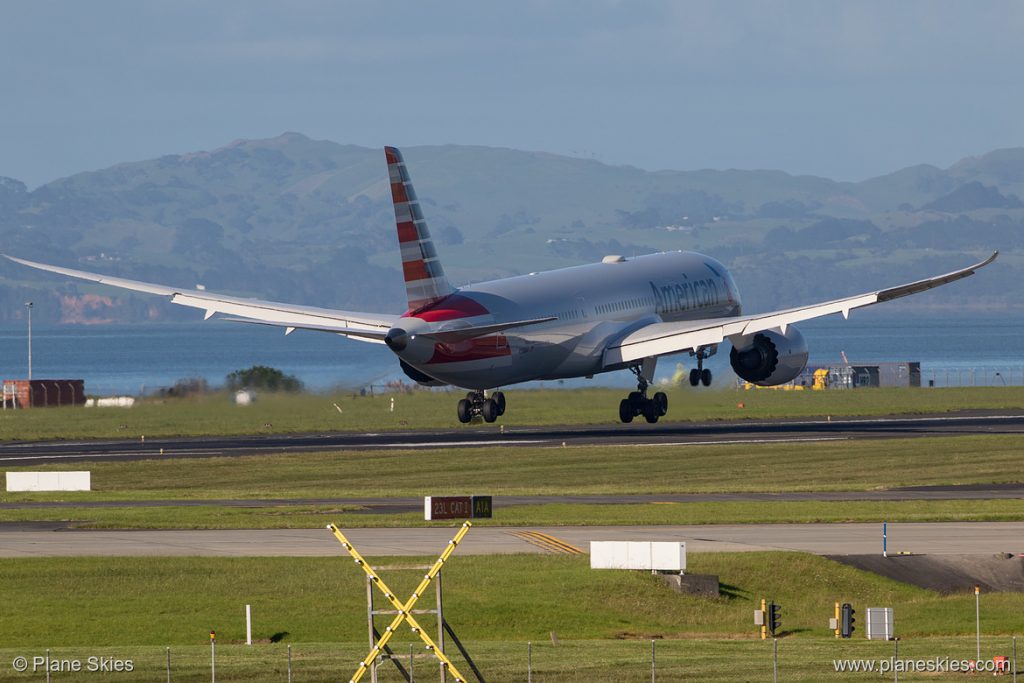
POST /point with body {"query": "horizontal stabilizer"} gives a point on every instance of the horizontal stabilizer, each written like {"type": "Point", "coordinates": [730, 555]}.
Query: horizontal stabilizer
{"type": "Point", "coordinates": [373, 336]}
{"type": "Point", "coordinates": [464, 333]}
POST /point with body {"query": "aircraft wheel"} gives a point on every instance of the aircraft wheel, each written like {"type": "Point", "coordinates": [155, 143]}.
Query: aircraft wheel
{"type": "Point", "coordinates": [464, 411]}
{"type": "Point", "coordinates": [636, 400]}
{"type": "Point", "coordinates": [694, 377]}
{"type": "Point", "coordinates": [661, 403]}
{"type": "Point", "coordinates": [705, 377]}
{"type": "Point", "coordinates": [499, 398]}
{"type": "Point", "coordinates": [625, 410]}
{"type": "Point", "coordinates": [651, 412]}
{"type": "Point", "coordinates": [490, 410]}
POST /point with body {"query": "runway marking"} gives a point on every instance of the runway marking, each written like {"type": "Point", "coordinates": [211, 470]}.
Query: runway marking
{"type": "Point", "coordinates": [827, 422]}
{"type": "Point", "coordinates": [798, 439]}
{"type": "Point", "coordinates": [446, 444]}
{"type": "Point", "coordinates": [28, 455]}
{"type": "Point", "coordinates": [547, 542]}
{"type": "Point", "coordinates": [113, 454]}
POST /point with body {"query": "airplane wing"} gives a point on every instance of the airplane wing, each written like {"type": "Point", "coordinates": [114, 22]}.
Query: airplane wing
{"type": "Point", "coordinates": [659, 339]}
{"type": "Point", "coordinates": [362, 326]}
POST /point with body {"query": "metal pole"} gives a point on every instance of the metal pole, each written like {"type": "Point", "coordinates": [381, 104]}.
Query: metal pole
{"type": "Point", "coordinates": [47, 666]}
{"type": "Point", "coordinates": [371, 626]}
{"type": "Point", "coordinates": [439, 592]}
{"type": "Point", "coordinates": [529, 663]}
{"type": "Point", "coordinates": [289, 664]}
{"type": "Point", "coordinates": [410, 662]}
{"type": "Point", "coordinates": [885, 539]}
{"type": "Point", "coordinates": [1015, 659]}
{"type": "Point", "coordinates": [977, 619]}
{"type": "Point", "coordinates": [213, 660]}
{"type": "Point", "coordinates": [168, 665]}
{"type": "Point", "coordinates": [775, 660]}
{"type": "Point", "coordinates": [28, 305]}
{"type": "Point", "coordinates": [896, 663]}
{"type": "Point", "coordinates": [653, 668]}
{"type": "Point", "coordinates": [248, 624]}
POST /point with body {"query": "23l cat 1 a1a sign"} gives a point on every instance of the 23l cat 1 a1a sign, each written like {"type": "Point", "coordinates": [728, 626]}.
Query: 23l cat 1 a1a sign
{"type": "Point", "coordinates": [457, 507]}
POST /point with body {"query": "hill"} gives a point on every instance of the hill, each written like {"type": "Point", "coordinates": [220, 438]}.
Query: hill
{"type": "Point", "coordinates": [302, 220]}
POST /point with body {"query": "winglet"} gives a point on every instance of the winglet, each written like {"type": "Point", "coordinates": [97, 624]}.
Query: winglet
{"type": "Point", "coordinates": [932, 282]}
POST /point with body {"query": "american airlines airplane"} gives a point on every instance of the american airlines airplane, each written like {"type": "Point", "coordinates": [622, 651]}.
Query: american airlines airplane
{"type": "Point", "coordinates": [621, 313]}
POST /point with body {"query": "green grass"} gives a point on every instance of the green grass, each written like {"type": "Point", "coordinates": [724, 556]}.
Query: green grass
{"type": "Point", "coordinates": [177, 600]}
{"type": "Point", "coordinates": [316, 516]}
{"type": "Point", "coordinates": [604, 620]}
{"type": "Point", "coordinates": [812, 466]}
{"type": "Point", "coordinates": [214, 414]}
{"type": "Point", "coordinates": [818, 466]}
{"type": "Point", "coordinates": [571, 661]}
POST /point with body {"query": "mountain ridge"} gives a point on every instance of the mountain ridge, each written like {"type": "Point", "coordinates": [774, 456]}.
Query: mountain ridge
{"type": "Point", "coordinates": [310, 221]}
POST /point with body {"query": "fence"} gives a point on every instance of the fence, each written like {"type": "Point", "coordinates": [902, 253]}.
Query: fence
{"type": "Point", "coordinates": [979, 376]}
{"type": "Point", "coordinates": [642, 659]}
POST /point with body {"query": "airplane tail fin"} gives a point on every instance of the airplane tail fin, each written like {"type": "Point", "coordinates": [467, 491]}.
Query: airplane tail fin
{"type": "Point", "coordinates": [425, 281]}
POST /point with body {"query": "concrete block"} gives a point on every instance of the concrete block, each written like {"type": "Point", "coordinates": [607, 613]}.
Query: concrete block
{"type": "Point", "coordinates": [49, 481]}
{"type": "Point", "coordinates": [703, 585]}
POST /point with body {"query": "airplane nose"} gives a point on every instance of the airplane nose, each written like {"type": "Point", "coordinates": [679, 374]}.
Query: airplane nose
{"type": "Point", "coordinates": [397, 339]}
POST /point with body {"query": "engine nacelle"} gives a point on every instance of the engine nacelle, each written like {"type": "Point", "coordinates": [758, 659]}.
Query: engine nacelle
{"type": "Point", "coordinates": [420, 377]}
{"type": "Point", "coordinates": [771, 358]}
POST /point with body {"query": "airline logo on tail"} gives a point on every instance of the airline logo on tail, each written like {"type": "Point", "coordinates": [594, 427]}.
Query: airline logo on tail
{"type": "Point", "coordinates": [425, 281]}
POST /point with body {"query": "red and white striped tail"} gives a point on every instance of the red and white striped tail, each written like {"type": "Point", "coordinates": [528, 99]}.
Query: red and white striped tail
{"type": "Point", "coordinates": [425, 281]}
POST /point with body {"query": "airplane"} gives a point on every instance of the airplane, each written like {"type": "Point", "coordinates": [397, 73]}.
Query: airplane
{"type": "Point", "coordinates": [621, 313]}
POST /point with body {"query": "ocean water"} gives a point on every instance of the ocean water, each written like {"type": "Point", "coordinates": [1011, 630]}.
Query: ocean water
{"type": "Point", "coordinates": [132, 359]}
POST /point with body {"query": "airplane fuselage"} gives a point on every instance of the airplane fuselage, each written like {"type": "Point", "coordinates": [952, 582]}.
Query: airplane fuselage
{"type": "Point", "coordinates": [593, 305]}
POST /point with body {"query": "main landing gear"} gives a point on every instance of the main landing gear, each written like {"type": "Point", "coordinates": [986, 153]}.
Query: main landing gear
{"type": "Point", "coordinates": [637, 402]}
{"type": "Point", "coordinates": [476, 403]}
{"type": "Point", "coordinates": [700, 374]}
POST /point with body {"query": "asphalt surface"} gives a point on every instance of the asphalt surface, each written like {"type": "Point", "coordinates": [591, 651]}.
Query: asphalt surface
{"type": "Point", "coordinates": [674, 434]}
{"type": "Point", "coordinates": [943, 538]}
{"type": "Point", "coordinates": [407, 504]}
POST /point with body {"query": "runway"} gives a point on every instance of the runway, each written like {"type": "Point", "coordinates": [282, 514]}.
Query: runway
{"type": "Point", "coordinates": [679, 434]}
{"type": "Point", "coordinates": [823, 539]}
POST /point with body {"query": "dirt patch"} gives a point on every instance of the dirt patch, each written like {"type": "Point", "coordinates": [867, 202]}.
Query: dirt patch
{"type": "Point", "coordinates": [946, 573]}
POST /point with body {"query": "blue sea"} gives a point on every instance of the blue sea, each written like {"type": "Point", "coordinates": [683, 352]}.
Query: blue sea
{"type": "Point", "coordinates": [953, 349]}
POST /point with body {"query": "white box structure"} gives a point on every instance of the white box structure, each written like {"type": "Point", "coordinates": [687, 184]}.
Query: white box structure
{"type": "Point", "coordinates": [49, 481]}
{"type": "Point", "coordinates": [880, 623]}
{"type": "Point", "coordinates": [666, 556]}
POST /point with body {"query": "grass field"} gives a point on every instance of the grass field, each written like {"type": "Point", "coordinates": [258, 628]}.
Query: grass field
{"type": "Point", "coordinates": [861, 465]}
{"type": "Point", "coordinates": [604, 620]}
{"type": "Point", "coordinates": [215, 414]}
{"type": "Point", "coordinates": [571, 661]}
{"type": "Point", "coordinates": [177, 600]}
{"type": "Point", "coordinates": [813, 466]}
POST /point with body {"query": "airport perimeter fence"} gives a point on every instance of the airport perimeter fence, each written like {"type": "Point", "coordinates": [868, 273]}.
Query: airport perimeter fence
{"type": "Point", "coordinates": [635, 659]}
{"type": "Point", "coordinates": [981, 376]}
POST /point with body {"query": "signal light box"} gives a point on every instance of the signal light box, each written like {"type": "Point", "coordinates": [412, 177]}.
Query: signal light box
{"type": "Point", "coordinates": [457, 507]}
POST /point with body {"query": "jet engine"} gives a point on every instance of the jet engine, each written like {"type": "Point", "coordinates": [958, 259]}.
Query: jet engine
{"type": "Point", "coordinates": [771, 357]}
{"type": "Point", "coordinates": [420, 377]}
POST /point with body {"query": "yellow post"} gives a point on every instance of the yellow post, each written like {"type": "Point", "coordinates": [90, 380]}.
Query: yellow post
{"type": "Point", "coordinates": [404, 610]}
{"type": "Point", "coordinates": [764, 619]}
{"type": "Point", "coordinates": [838, 625]}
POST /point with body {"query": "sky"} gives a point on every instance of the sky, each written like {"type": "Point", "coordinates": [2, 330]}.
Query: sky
{"type": "Point", "coordinates": [847, 90]}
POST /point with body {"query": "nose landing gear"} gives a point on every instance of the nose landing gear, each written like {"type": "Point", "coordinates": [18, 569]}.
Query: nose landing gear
{"type": "Point", "coordinates": [476, 403]}
{"type": "Point", "coordinates": [637, 402]}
